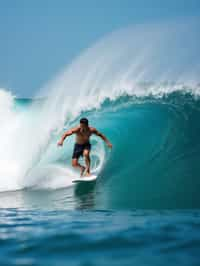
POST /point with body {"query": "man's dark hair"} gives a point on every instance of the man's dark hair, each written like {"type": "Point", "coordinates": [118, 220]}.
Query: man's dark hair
{"type": "Point", "coordinates": [84, 121]}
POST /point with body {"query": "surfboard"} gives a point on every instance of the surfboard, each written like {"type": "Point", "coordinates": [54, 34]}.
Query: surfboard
{"type": "Point", "coordinates": [84, 179]}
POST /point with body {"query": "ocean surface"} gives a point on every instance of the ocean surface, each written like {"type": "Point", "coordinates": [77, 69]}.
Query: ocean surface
{"type": "Point", "coordinates": [82, 237]}
{"type": "Point", "coordinates": [140, 87]}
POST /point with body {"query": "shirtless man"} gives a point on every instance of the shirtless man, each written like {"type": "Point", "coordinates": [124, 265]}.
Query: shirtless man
{"type": "Point", "coordinates": [82, 146]}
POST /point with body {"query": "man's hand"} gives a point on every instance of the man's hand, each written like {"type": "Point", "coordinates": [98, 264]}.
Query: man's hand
{"type": "Point", "coordinates": [60, 143]}
{"type": "Point", "coordinates": [96, 132]}
{"type": "Point", "coordinates": [109, 145]}
{"type": "Point", "coordinates": [67, 134]}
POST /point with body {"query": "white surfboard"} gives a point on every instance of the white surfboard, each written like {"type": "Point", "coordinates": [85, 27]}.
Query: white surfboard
{"type": "Point", "coordinates": [82, 179]}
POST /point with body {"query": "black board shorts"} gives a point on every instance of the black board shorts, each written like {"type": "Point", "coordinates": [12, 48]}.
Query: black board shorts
{"type": "Point", "coordinates": [79, 148]}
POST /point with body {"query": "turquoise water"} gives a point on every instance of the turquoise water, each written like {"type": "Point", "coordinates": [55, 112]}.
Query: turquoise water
{"type": "Point", "coordinates": [35, 237]}
{"type": "Point", "coordinates": [142, 210]}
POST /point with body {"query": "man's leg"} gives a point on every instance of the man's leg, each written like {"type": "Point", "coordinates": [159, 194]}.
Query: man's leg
{"type": "Point", "coordinates": [86, 154]}
{"type": "Point", "coordinates": [76, 164]}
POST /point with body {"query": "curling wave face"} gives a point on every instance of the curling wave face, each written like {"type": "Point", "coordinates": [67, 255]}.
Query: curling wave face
{"type": "Point", "coordinates": [154, 162]}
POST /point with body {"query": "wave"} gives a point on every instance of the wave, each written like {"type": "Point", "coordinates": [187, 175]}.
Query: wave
{"type": "Point", "coordinates": [154, 161]}
{"type": "Point", "coordinates": [140, 87]}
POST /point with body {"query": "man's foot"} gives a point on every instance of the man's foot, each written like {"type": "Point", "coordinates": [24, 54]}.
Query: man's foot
{"type": "Point", "coordinates": [87, 174]}
{"type": "Point", "coordinates": [82, 170]}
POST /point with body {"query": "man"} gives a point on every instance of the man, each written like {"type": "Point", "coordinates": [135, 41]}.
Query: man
{"type": "Point", "coordinates": [82, 146]}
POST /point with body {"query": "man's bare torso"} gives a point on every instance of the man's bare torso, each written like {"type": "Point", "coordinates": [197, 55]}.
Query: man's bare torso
{"type": "Point", "coordinates": [83, 134]}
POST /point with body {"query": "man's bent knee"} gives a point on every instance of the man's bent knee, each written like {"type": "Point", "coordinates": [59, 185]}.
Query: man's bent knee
{"type": "Point", "coordinates": [86, 153]}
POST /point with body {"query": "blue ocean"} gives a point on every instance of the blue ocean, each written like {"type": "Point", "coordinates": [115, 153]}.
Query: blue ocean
{"type": "Point", "coordinates": [144, 206]}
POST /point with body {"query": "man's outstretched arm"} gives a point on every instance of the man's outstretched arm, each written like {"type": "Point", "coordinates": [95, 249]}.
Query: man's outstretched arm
{"type": "Point", "coordinates": [66, 134]}
{"type": "Point", "coordinates": [103, 137]}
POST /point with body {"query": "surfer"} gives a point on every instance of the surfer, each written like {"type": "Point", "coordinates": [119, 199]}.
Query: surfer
{"type": "Point", "coordinates": [82, 146]}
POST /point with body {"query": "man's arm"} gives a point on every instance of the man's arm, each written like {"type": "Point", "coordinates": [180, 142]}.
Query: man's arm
{"type": "Point", "coordinates": [103, 137]}
{"type": "Point", "coordinates": [66, 134]}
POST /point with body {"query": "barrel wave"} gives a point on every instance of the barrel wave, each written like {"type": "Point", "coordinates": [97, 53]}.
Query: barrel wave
{"type": "Point", "coordinates": [154, 162]}
{"type": "Point", "coordinates": [140, 87]}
